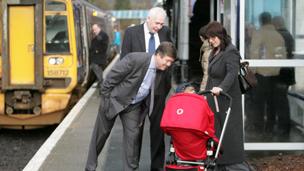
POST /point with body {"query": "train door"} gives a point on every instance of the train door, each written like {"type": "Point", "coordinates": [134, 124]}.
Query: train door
{"type": "Point", "coordinates": [21, 50]}
{"type": "Point", "coordinates": [22, 45]}
{"type": "Point", "coordinates": [81, 52]}
{"type": "Point", "coordinates": [82, 42]}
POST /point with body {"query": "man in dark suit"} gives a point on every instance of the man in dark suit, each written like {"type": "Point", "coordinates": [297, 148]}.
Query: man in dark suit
{"type": "Point", "coordinates": [128, 91]}
{"type": "Point", "coordinates": [98, 51]}
{"type": "Point", "coordinates": [145, 38]}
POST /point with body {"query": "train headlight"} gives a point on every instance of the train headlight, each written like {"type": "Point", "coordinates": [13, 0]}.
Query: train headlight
{"type": "Point", "coordinates": [59, 61]}
{"type": "Point", "coordinates": [52, 61]}
{"type": "Point", "coordinates": [56, 60]}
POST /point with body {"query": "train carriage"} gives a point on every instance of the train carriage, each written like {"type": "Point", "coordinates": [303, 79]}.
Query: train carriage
{"type": "Point", "coordinates": [44, 58]}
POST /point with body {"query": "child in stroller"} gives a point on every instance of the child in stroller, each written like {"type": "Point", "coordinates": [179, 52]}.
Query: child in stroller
{"type": "Point", "coordinates": [186, 88]}
{"type": "Point", "coordinates": [189, 121]}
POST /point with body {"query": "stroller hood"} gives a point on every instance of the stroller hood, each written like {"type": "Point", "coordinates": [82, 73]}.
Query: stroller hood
{"type": "Point", "coordinates": [189, 121]}
{"type": "Point", "coordinates": [188, 111]}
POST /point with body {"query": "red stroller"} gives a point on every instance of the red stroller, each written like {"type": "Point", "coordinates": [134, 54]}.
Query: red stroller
{"type": "Point", "coordinates": [189, 121]}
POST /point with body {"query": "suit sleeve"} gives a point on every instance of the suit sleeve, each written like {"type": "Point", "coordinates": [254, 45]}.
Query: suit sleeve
{"type": "Point", "coordinates": [232, 62]}
{"type": "Point", "coordinates": [168, 35]}
{"type": "Point", "coordinates": [168, 76]}
{"type": "Point", "coordinates": [126, 44]}
{"type": "Point", "coordinates": [119, 71]}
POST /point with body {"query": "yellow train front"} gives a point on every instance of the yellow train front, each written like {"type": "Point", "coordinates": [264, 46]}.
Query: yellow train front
{"type": "Point", "coordinates": [44, 59]}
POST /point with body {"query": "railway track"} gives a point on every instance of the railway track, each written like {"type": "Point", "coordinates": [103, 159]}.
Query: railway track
{"type": "Point", "coordinates": [17, 147]}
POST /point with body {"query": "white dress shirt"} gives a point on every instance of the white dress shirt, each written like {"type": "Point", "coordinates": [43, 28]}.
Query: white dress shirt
{"type": "Point", "coordinates": [146, 85]}
{"type": "Point", "coordinates": [147, 37]}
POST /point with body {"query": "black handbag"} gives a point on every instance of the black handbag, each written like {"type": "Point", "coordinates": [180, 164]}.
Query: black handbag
{"type": "Point", "coordinates": [247, 79]}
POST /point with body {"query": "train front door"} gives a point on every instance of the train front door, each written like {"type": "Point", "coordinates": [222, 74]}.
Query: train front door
{"type": "Point", "coordinates": [22, 58]}
{"type": "Point", "coordinates": [21, 45]}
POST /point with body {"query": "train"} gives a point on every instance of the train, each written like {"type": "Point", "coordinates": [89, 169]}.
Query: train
{"type": "Point", "coordinates": [44, 58]}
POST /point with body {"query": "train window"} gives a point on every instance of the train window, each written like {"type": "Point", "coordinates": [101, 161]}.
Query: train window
{"type": "Point", "coordinates": [57, 39]}
{"type": "Point", "coordinates": [55, 6]}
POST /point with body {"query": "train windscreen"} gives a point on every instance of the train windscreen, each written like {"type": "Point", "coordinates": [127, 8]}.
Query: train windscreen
{"type": "Point", "coordinates": [57, 39]}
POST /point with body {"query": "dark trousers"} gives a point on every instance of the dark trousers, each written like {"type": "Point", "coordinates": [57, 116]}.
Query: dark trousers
{"type": "Point", "coordinates": [98, 71]}
{"type": "Point", "coordinates": [130, 119]}
{"type": "Point", "coordinates": [267, 108]}
{"type": "Point", "coordinates": [157, 142]}
{"type": "Point", "coordinates": [263, 104]}
{"type": "Point", "coordinates": [282, 108]}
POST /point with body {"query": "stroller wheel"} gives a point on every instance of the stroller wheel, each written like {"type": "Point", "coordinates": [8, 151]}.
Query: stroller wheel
{"type": "Point", "coordinates": [171, 159]}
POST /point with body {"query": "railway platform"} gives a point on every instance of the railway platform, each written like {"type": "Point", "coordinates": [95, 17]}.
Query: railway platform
{"type": "Point", "coordinates": [67, 147]}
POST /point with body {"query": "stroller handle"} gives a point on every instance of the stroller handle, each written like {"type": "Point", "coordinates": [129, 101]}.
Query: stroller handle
{"type": "Point", "coordinates": [204, 92]}
{"type": "Point", "coordinates": [226, 119]}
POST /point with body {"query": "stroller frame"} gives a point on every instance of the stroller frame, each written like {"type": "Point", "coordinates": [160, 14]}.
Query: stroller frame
{"type": "Point", "coordinates": [207, 163]}
{"type": "Point", "coordinates": [210, 161]}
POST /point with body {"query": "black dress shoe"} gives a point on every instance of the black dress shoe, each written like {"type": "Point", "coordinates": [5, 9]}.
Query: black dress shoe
{"type": "Point", "coordinates": [89, 170]}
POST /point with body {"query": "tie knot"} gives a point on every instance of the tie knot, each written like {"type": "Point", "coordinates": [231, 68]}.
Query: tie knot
{"type": "Point", "coordinates": [152, 34]}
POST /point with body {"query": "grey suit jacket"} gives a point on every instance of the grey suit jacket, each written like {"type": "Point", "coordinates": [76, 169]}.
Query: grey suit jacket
{"type": "Point", "coordinates": [122, 83]}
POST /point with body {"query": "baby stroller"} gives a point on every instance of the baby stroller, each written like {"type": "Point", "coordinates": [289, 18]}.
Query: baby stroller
{"type": "Point", "coordinates": [189, 121]}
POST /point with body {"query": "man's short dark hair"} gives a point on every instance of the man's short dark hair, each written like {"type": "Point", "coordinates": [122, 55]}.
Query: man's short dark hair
{"type": "Point", "coordinates": [98, 25]}
{"type": "Point", "coordinates": [265, 18]}
{"type": "Point", "coordinates": [166, 49]}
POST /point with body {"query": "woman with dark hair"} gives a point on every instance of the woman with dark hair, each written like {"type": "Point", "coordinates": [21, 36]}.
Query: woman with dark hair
{"type": "Point", "coordinates": [223, 70]}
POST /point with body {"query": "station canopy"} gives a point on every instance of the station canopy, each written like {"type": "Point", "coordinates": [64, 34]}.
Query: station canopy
{"type": "Point", "coordinates": [130, 14]}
